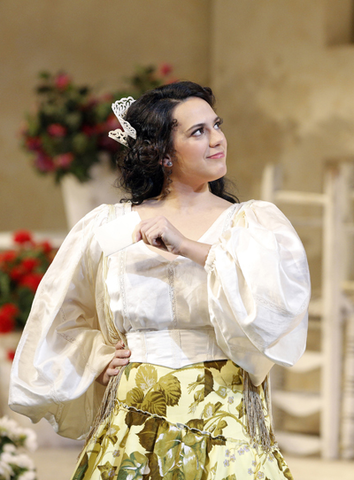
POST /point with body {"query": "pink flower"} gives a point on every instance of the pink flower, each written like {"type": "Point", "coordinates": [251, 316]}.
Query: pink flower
{"type": "Point", "coordinates": [56, 130]}
{"type": "Point", "coordinates": [62, 80]}
{"type": "Point", "coordinates": [33, 143]}
{"type": "Point", "coordinates": [44, 163]}
{"type": "Point", "coordinates": [64, 160]}
{"type": "Point", "coordinates": [165, 69]}
{"type": "Point", "coordinates": [22, 236]}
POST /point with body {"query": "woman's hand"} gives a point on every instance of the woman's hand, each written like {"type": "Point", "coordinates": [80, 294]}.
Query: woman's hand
{"type": "Point", "coordinates": [121, 358]}
{"type": "Point", "coordinates": [160, 233]}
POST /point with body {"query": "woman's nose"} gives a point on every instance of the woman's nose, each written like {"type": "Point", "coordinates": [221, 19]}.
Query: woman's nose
{"type": "Point", "coordinates": [216, 137]}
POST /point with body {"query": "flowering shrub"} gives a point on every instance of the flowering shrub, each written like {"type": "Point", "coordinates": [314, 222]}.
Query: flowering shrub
{"type": "Point", "coordinates": [15, 464]}
{"type": "Point", "coordinates": [70, 126]}
{"type": "Point", "coordinates": [21, 270]}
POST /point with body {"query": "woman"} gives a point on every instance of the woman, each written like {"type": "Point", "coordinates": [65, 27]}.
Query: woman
{"type": "Point", "coordinates": [212, 296]}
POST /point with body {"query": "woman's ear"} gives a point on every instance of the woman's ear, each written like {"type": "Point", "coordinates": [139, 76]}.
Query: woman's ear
{"type": "Point", "coordinates": [167, 162]}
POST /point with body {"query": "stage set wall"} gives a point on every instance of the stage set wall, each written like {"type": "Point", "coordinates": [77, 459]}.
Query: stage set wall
{"type": "Point", "coordinates": [282, 71]}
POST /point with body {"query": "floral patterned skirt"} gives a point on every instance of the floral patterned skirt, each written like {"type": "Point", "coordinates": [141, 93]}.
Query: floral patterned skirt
{"type": "Point", "coordinates": [185, 424]}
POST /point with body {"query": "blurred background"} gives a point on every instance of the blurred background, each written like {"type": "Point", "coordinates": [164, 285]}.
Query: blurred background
{"type": "Point", "coordinates": [283, 75]}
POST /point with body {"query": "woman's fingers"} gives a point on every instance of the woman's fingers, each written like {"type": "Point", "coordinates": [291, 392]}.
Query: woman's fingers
{"type": "Point", "coordinates": [120, 359]}
{"type": "Point", "coordinates": [159, 232]}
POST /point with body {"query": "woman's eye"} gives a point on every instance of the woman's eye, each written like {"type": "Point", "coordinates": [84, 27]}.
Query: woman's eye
{"type": "Point", "coordinates": [218, 124]}
{"type": "Point", "coordinates": [198, 132]}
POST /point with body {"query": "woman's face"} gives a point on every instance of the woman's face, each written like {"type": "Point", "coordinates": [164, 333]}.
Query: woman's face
{"type": "Point", "coordinates": [199, 143]}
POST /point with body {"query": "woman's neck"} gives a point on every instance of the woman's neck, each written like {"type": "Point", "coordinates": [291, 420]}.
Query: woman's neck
{"type": "Point", "coordinates": [185, 197]}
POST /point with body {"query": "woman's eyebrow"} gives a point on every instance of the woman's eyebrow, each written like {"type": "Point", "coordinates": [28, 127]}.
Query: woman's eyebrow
{"type": "Point", "coordinates": [198, 125]}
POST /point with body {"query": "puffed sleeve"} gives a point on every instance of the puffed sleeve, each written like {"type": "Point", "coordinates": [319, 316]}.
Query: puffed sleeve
{"type": "Point", "coordinates": [64, 345]}
{"type": "Point", "coordinates": [259, 290]}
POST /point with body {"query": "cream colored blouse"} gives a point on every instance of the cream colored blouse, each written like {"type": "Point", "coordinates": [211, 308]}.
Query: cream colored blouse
{"type": "Point", "coordinates": [249, 303]}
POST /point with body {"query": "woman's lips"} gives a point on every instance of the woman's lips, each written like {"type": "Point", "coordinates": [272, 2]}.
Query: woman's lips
{"type": "Point", "coordinates": [218, 155]}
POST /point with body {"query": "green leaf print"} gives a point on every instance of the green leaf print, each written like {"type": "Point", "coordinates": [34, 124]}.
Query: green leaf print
{"type": "Point", "coordinates": [217, 365]}
{"type": "Point", "coordinates": [146, 377]}
{"type": "Point", "coordinates": [129, 367]}
{"type": "Point", "coordinates": [210, 409]}
{"type": "Point", "coordinates": [180, 456]}
{"type": "Point", "coordinates": [154, 467]}
{"type": "Point", "coordinates": [134, 418]}
{"type": "Point", "coordinates": [241, 409]}
{"type": "Point", "coordinates": [230, 477]}
{"type": "Point", "coordinates": [171, 387]}
{"type": "Point", "coordinates": [193, 455]}
{"type": "Point", "coordinates": [206, 380]}
{"type": "Point", "coordinates": [133, 467]}
{"type": "Point", "coordinates": [167, 447]}
{"type": "Point", "coordinates": [81, 469]}
{"type": "Point", "coordinates": [197, 423]}
{"type": "Point", "coordinates": [237, 383]}
{"type": "Point", "coordinates": [135, 396]}
{"type": "Point", "coordinates": [287, 474]}
{"type": "Point", "coordinates": [108, 471]}
{"type": "Point", "coordinates": [154, 402]}
{"type": "Point", "coordinates": [148, 434]}
{"type": "Point", "coordinates": [279, 460]}
{"type": "Point", "coordinates": [219, 427]}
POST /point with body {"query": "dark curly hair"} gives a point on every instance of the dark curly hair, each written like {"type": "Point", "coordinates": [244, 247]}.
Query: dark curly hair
{"type": "Point", "coordinates": [141, 164]}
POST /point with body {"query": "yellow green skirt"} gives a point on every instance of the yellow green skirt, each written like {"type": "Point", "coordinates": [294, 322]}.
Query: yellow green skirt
{"type": "Point", "coordinates": [185, 424]}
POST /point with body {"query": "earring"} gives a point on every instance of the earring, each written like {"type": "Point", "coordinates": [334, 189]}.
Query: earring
{"type": "Point", "coordinates": [169, 163]}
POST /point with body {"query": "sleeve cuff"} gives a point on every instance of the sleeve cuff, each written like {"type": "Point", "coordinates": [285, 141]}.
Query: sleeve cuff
{"type": "Point", "coordinates": [210, 260]}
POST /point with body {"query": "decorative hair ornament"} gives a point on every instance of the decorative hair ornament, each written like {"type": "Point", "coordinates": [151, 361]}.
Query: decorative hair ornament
{"type": "Point", "coordinates": [120, 108]}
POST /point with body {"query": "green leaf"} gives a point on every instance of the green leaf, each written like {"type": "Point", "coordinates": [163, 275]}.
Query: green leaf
{"type": "Point", "coordinates": [241, 409]}
{"type": "Point", "coordinates": [146, 377]}
{"type": "Point", "coordinates": [147, 436]}
{"type": "Point", "coordinates": [171, 387]}
{"type": "Point", "coordinates": [197, 423]}
{"type": "Point", "coordinates": [133, 467]}
{"type": "Point", "coordinates": [155, 402]}
{"type": "Point", "coordinates": [218, 364]}
{"type": "Point", "coordinates": [134, 418]}
{"type": "Point", "coordinates": [135, 396]}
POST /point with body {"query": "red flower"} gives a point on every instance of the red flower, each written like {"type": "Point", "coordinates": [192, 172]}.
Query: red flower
{"type": "Point", "coordinates": [64, 160]}
{"type": "Point", "coordinates": [46, 246]}
{"type": "Point", "coordinates": [62, 80]}
{"type": "Point", "coordinates": [8, 312]}
{"type": "Point", "coordinates": [7, 257]}
{"type": "Point", "coordinates": [31, 281]}
{"type": "Point", "coordinates": [10, 355]}
{"type": "Point", "coordinates": [17, 273]}
{"type": "Point", "coordinates": [22, 236]}
{"type": "Point", "coordinates": [56, 130]}
{"type": "Point", "coordinates": [29, 264]}
{"type": "Point", "coordinates": [165, 69]}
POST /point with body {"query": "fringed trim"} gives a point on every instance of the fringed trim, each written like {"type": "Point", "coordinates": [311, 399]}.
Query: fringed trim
{"type": "Point", "coordinates": [256, 425]}
{"type": "Point", "coordinates": [107, 406]}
